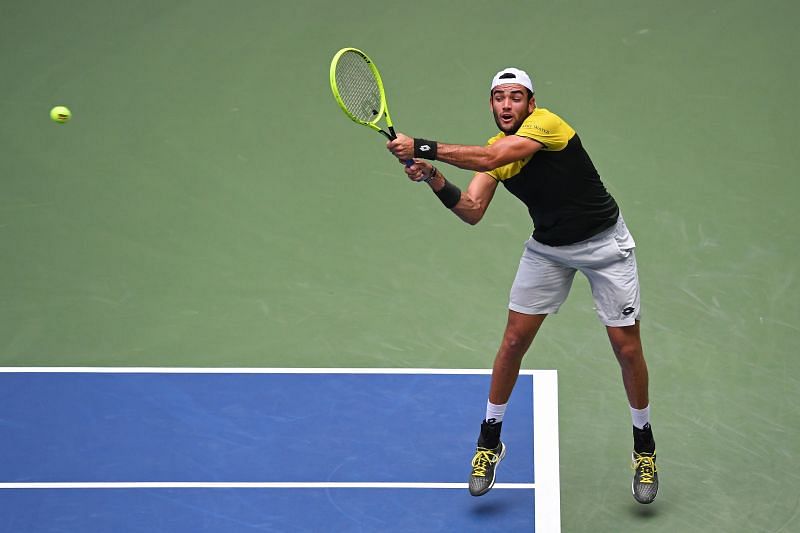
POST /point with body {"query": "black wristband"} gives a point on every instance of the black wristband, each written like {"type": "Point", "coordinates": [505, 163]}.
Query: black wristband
{"type": "Point", "coordinates": [450, 195]}
{"type": "Point", "coordinates": [424, 149]}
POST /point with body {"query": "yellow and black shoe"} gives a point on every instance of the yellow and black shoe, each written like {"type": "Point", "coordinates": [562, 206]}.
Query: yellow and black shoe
{"type": "Point", "coordinates": [488, 454]}
{"type": "Point", "coordinates": [645, 474]}
{"type": "Point", "coordinates": [484, 468]}
{"type": "Point", "coordinates": [645, 477]}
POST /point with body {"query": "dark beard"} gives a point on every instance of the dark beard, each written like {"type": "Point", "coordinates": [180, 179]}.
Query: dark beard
{"type": "Point", "coordinates": [514, 127]}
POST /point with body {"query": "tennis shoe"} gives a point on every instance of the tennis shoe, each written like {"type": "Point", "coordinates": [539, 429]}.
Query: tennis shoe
{"type": "Point", "coordinates": [645, 477]}
{"type": "Point", "coordinates": [484, 467]}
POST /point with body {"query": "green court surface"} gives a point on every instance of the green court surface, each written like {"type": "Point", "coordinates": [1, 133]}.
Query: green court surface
{"type": "Point", "coordinates": [210, 205]}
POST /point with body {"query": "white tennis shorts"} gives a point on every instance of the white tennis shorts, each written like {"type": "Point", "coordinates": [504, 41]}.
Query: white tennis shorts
{"type": "Point", "coordinates": [545, 276]}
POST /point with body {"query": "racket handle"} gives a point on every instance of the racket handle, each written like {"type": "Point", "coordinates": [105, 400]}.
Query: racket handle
{"type": "Point", "coordinates": [392, 136]}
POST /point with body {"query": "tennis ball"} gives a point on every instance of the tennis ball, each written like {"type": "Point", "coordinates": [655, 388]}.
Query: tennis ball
{"type": "Point", "coordinates": [60, 114]}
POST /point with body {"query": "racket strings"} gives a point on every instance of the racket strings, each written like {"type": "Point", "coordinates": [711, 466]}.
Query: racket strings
{"type": "Point", "coordinates": [358, 87]}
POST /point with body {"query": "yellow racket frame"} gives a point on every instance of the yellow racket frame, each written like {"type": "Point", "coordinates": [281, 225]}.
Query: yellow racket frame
{"type": "Point", "coordinates": [382, 112]}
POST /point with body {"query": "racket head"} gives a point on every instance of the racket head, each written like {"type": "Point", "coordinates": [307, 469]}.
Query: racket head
{"type": "Point", "coordinates": [358, 89]}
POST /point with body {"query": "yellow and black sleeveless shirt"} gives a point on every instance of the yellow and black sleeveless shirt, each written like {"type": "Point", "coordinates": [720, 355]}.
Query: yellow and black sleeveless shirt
{"type": "Point", "coordinates": [559, 184]}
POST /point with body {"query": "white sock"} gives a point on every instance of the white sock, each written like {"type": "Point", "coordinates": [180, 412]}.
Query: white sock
{"type": "Point", "coordinates": [640, 416]}
{"type": "Point", "coordinates": [494, 413]}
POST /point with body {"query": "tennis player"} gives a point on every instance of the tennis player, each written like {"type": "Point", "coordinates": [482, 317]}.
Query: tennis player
{"type": "Point", "coordinates": [578, 226]}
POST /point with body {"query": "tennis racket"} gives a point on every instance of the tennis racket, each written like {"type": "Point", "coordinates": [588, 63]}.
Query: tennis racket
{"type": "Point", "coordinates": [358, 89]}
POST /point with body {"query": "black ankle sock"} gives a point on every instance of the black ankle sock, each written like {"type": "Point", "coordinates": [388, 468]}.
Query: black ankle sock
{"type": "Point", "coordinates": [643, 441]}
{"type": "Point", "coordinates": [490, 435]}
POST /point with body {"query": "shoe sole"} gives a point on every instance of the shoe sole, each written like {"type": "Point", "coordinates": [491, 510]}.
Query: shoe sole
{"type": "Point", "coordinates": [494, 472]}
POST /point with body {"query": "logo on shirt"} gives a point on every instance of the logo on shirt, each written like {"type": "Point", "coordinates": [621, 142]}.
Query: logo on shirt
{"type": "Point", "coordinates": [538, 128]}
{"type": "Point", "coordinates": [628, 310]}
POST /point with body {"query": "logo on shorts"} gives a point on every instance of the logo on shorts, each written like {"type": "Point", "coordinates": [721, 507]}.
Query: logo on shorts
{"type": "Point", "coordinates": [628, 310]}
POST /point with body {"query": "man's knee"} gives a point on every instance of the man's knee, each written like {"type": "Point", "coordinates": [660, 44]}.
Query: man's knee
{"type": "Point", "coordinates": [514, 343]}
{"type": "Point", "coordinates": [629, 351]}
{"type": "Point", "coordinates": [519, 333]}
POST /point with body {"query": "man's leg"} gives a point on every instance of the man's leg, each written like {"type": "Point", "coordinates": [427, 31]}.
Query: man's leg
{"type": "Point", "coordinates": [627, 345]}
{"type": "Point", "coordinates": [518, 336]}
{"type": "Point", "coordinates": [519, 333]}
{"type": "Point", "coordinates": [540, 287]}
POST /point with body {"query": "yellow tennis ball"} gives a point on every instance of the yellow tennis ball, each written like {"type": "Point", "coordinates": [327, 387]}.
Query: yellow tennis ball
{"type": "Point", "coordinates": [60, 114]}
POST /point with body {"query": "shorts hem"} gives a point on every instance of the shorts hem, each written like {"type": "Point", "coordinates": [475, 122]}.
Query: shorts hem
{"type": "Point", "coordinates": [532, 310]}
{"type": "Point", "coordinates": [620, 323]}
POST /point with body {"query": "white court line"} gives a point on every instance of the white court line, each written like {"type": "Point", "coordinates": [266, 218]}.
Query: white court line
{"type": "Point", "coordinates": [224, 370]}
{"type": "Point", "coordinates": [545, 445]}
{"type": "Point", "coordinates": [250, 485]}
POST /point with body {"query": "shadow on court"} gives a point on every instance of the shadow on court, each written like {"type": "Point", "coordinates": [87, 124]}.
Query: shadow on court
{"type": "Point", "coordinates": [646, 512]}
{"type": "Point", "coordinates": [491, 507]}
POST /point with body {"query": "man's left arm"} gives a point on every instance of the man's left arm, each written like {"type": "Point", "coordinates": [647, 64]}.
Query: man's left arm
{"type": "Point", "coordinates": [478, 158]}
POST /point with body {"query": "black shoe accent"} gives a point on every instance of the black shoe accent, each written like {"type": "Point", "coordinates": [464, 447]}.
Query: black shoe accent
{"type": "Point", "coordinates": [643, 441]}
{"type": "Point", "coordinates": [490, 435]}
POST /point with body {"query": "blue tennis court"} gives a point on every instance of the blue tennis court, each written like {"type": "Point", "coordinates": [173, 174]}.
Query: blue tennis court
{"type": "Point", "coordinates": [185, 450]}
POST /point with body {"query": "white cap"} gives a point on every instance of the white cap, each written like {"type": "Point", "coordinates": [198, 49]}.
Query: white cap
{"type": "Point", "coordinates": [512, 75]}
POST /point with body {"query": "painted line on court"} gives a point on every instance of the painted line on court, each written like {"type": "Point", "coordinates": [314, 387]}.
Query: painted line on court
{"type": "Point", "coordinates": [250, 485]}
{"type": "Point", "coordinates": [247, 370]}
{"type": "Point", "coordinates": [545, 446]}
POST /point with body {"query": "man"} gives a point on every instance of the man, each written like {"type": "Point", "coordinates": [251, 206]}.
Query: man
{"type": "Point", "coordinates": [577, 227]}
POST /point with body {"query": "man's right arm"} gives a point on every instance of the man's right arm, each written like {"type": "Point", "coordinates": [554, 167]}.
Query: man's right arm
{"type": "Point", "coordinates": [484, 158]}
{"type": "Point", "coordinates": [479, 158]}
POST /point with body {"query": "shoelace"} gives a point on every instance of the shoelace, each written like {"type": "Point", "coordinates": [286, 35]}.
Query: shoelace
{"type": "Point", "coordinates": [646, 467]}
{"type": "Point", "coordinates": [479, 463]}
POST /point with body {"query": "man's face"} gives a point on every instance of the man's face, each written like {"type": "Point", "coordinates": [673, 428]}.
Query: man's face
{"type": "Point", "coordinates": [510, 106]}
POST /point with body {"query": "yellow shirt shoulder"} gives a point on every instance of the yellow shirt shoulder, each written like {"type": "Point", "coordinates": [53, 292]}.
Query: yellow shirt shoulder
{"type": "Point", "coordinates": [542, 126]}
